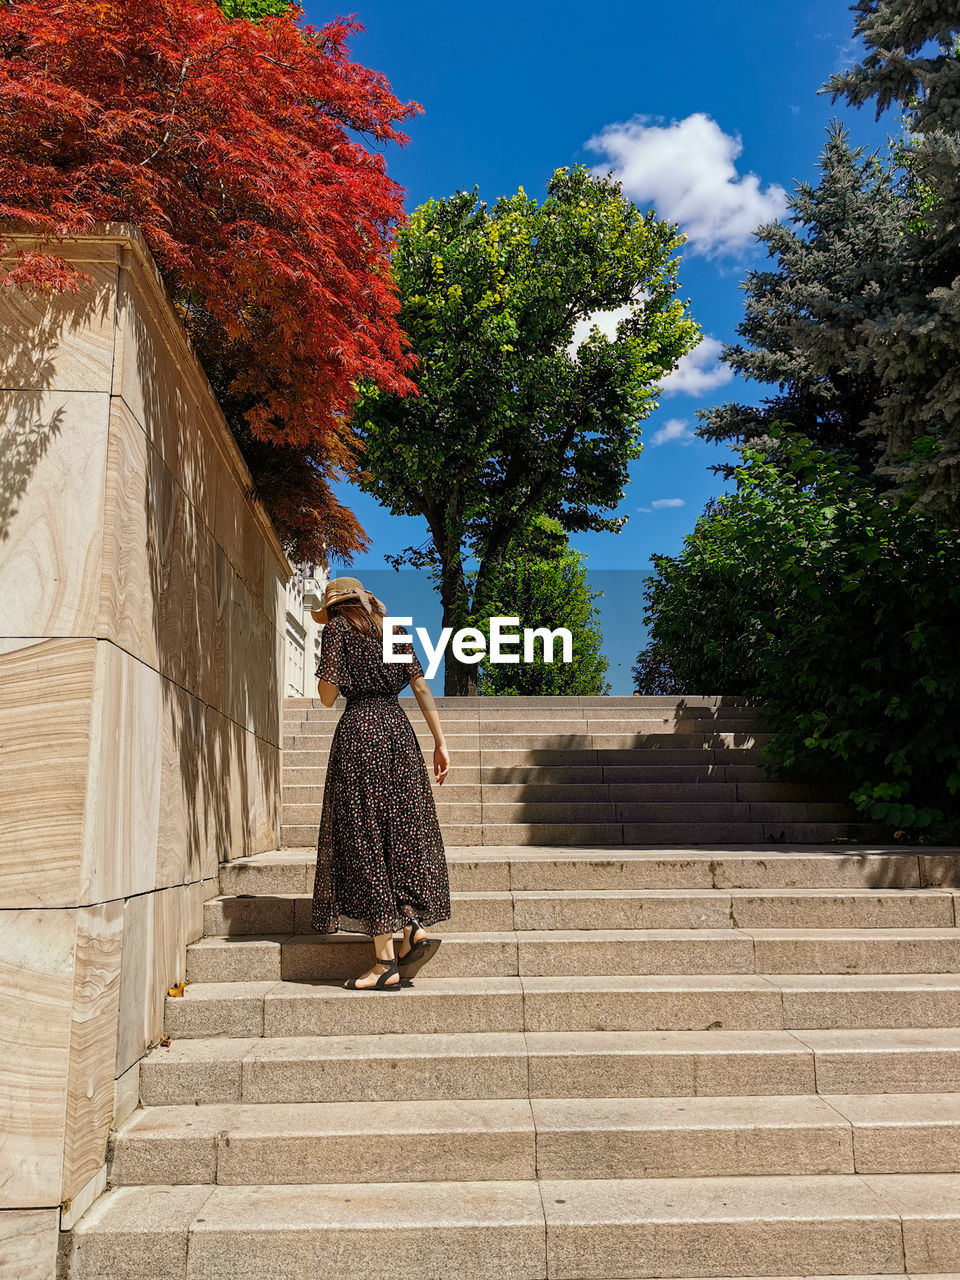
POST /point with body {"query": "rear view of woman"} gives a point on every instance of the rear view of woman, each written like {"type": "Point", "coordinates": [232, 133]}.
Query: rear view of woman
{"type": "Point", "coordinates": [380, 858]}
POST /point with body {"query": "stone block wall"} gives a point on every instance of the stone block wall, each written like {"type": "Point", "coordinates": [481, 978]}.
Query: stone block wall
{"type": "Point", "coordinates": [142, 640]}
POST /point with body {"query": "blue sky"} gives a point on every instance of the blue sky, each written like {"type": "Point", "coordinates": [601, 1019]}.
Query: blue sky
{"type": "Point", "coordinates": [708, 112]}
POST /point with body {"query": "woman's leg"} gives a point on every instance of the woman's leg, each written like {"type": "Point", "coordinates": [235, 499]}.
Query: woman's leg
{"type": "Point", "coordinates": [383, 947]}
{"type": "Point", "coordinates": [410, 936]}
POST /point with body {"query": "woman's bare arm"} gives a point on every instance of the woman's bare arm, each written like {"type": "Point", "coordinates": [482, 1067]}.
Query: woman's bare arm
{"type": "Point", "coordinates": [441, 756]}
{"type": "Point", "coordinates": [328, 692]}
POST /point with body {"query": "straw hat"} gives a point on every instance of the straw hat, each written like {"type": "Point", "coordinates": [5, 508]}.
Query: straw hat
{"type": "Point", "coordinates": [339, 590]}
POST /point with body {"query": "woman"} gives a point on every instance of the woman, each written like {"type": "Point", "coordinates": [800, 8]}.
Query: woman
{"type": "Point", "coordinates": [380, 857]}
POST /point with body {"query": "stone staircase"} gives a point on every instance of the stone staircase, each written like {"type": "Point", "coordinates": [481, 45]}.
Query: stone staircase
{"type": "Point", "coordinates": [704, 1060]}
{"type": "Point", "coordinates": [587, 771]}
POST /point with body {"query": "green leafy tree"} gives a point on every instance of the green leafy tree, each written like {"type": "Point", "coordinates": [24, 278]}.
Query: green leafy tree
{"type": "Point", "coordinates": [913, 60]}
{"type": "Point", "coordinates": [838, 608]}
{"type": "Point", "coordinates": [652, 673]}
{"type": "Point", "coordinates": [512, 419]}
{"type": "Point", "coordinates": [256, 9]}
{"type": "Point", "coordinates": [545, 585]}
{"type": "Point", "coordinates": [804, 319]}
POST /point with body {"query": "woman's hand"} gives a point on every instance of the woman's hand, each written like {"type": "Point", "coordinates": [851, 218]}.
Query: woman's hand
{"type": "Point", "coordinates": [441, 762]}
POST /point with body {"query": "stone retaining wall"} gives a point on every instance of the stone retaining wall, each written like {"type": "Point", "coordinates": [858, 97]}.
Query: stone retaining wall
{"type": "Point", "coordinates": [142, 635]}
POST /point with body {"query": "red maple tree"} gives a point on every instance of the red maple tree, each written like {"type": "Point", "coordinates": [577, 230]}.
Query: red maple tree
{"type": "Point", "coordinates": [240, 149]}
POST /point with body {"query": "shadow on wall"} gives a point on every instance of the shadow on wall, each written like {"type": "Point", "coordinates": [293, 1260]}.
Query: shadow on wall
{"type": "Point", "coordinates": [213, 637]}
{"type": "Point", "coordinates": [29, 345]}
{"type": "Point", "coordinates": [125, 500]}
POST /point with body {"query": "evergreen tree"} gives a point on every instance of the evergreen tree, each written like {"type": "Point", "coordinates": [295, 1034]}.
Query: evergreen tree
{"type": "Point", "coordinates": [804, 319]}
{"type": "Point", "coordinates": [913, 59]}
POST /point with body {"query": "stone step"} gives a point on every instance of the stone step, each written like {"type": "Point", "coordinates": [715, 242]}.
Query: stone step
{"type": "Point", "coordinates": [692, 810]}
{"type": "Point", "coordinates": [555, 727]}
{"type": "Point", "coordinates": [322, 1142]}
{"type": "Point", "coordinates": [304, 788]}
{"type": "Point", "coordinates": [595, 1064]}
{"type": "Point", "coordinates": [583, 834]}
{"type": "Point", "coordinates": [605, 755]}
{"type": "Point", "coordinates": [305, 957]}
{"type": "Point", "coordinates": [688, 704]}
{"type": "Point", "coordinates": [495, 911]}
{"type": "Point", "coordinates": [544, 868]}
{"type": "Point", "coordinates": [762, 1226]}
{"type": "Point", "coordinates": [484, 1230]}
{"type": "Point", "coordinates": [305, 767]}
{"type": "Point", "coordinates": [517, 765]}
{"type": "Point", "coordinates": [497, 740]}
{"type": "Point", "coordinates": [327, 1142]}
{"type": "Point", "coordinates": [660, 1002]}
{"type": "Point", "coordinates": [525, 1230]}
{"type": "Point", "coordinates": [453, 833]}
{"type": "Point", "coordinates": [546, 708]}
{"type": "Point", "coordinates": [592, 952]}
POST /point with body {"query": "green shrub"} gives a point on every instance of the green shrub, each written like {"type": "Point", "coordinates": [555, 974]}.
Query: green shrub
{"type": "Point", "coordinates": [839, 610]}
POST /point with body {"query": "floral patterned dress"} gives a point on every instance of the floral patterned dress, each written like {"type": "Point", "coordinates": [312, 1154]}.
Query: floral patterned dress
{"type": "Point", "coordinates": [380, 855]}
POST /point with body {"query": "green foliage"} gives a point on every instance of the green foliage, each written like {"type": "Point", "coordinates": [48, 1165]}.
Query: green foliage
{"type": "Point", "coordinates": [912, 60]}
{"type": "Point", "coordinates": [512, 420]}
{"type": "Point", "coordinates": [255, 9]}
{"type": "Point", "coordinates": [838, 607]}
{"type": "Point", "coordinates": [652, 674]}
{"type": "Point", "coordinates": [805, 319]}
{"type": "Point", "coordinates": [545, 585]}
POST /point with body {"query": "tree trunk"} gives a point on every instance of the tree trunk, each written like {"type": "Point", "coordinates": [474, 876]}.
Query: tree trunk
{"type": "Point", "coordinates": [459, 678]}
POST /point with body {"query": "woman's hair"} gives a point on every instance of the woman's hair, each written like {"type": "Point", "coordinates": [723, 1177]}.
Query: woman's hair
{"type": "Point", "coordinates": [368, 624]}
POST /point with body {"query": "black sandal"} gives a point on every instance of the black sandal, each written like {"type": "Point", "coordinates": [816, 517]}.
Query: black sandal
{"type": "Point", "coordinates": [419, 953]}
{"type": "Point", "coordinates": [381, 983]}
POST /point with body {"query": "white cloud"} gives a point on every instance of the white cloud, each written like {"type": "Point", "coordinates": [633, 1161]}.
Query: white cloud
{"type": "Point", "coordinates": [605, 321]}
{"type": "Point", "coordinates": [659, 504]}
{"type": "Point", "coordinates": [699, 371]}
{"type": "Point", "coordinates": [687, 171]}
{"type": "Point", "coordinates": [674, 429]}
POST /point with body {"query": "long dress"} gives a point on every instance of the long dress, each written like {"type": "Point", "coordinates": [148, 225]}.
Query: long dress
{"type": "Point", "coordinates": [380, 855]}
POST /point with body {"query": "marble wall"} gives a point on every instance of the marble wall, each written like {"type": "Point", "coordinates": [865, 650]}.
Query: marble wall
{"type": "Point", "coordinates": [142, 649]}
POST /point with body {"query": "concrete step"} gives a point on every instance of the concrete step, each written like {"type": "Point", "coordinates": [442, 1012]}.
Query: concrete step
{"type": "Point", "coordinates": [555, 727]}
{"type": "Point", "coordinates": [596, 1064]}
{"type": "Point", "coordinates": [668, 753]}
{"type": "Point", "coordinates": [305, 788]}
{"type": "Point", "coordinates": [660, 1002]}
{"type": "Point", "coordinates": [590, 952]}
{"type": "Point", "coordinates": [804, 1225]}
{"type": "Point", "coordinates": [584, 834]}
{"type": "Point", "coordinates": [691, 810]}
{"type": "Point", "coordinates": [544, 867]}
{"type": "Point", "coordinates": [497, 740]}
{"type": "Point", "coordinates": [547, 708]}
{"type": "Point", "coordinates": [688, 703]}
{"type": "Point", "coordinates": [674, 705]}
{"type": "Point", "coordinates": [761, 1226]}
{"type": "Point", "coordinates": [502, 765]}
{"type": "Point", "coordinates": [248, 1144]}
{"type": "Point", "coordinates": [306, 957]}
{"type": "Point", "coordinates": [327, 1142]}
{"type": "Point", "coordinates": [301, 767]}
{"type": "Point", "coordinates": [494, 911]}
{"type": "Point", "coordinates": [484, 1230]}
{"type": "Point", "coordinates": [392, 1068]}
